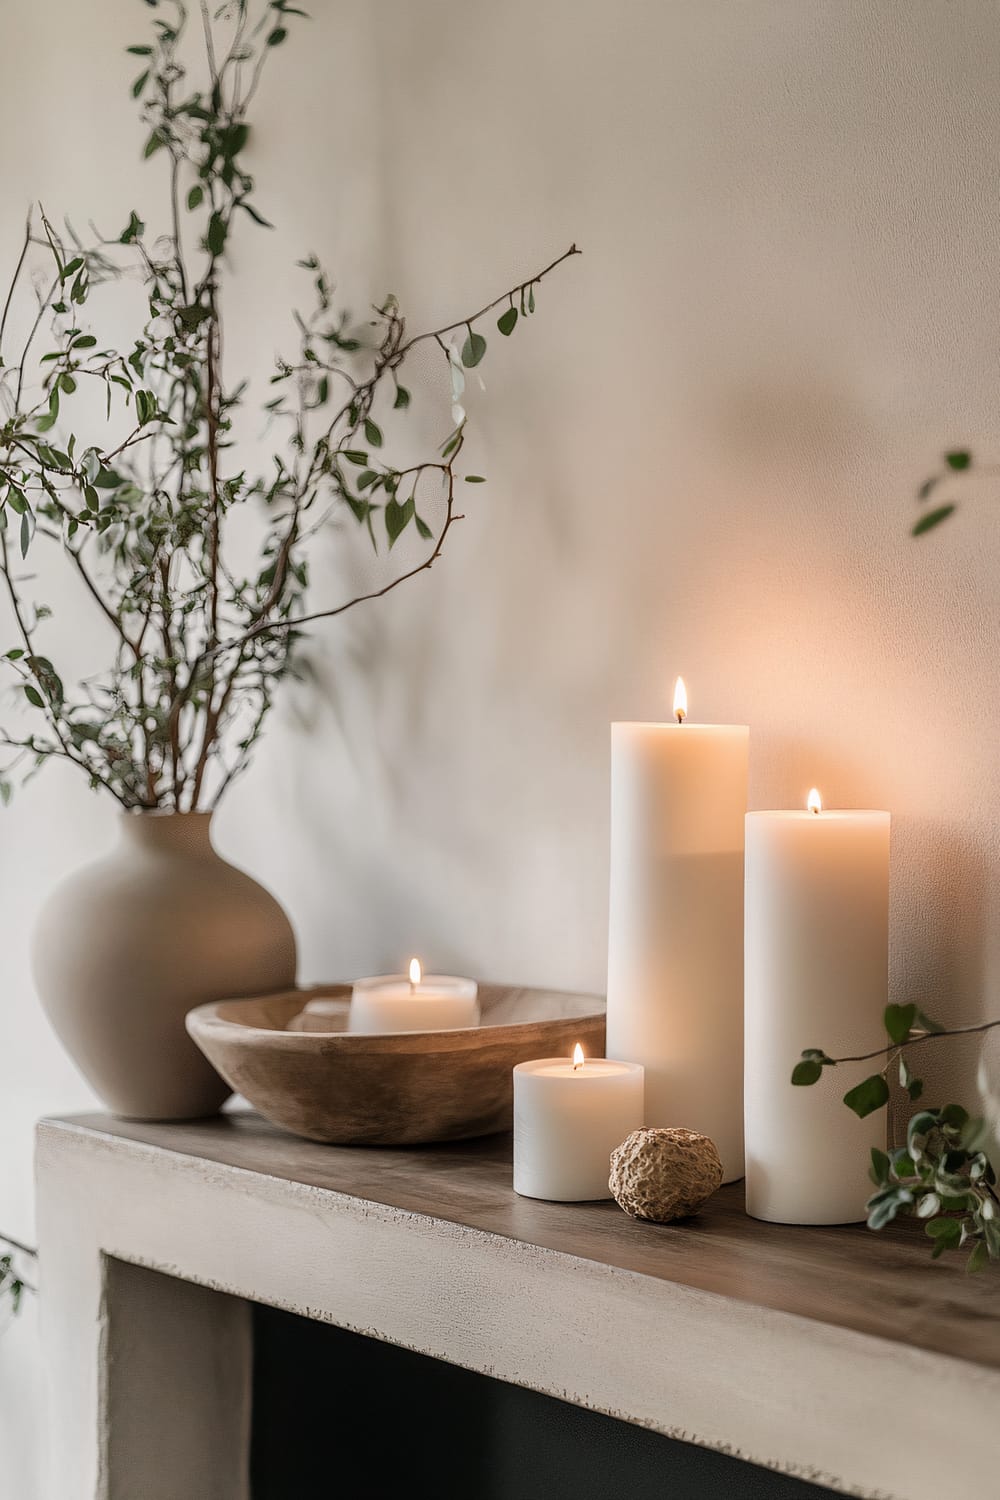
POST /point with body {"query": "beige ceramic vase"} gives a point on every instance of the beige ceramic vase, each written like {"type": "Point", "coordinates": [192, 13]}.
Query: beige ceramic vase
{"type": "Point", "coordinates": [128, 945]}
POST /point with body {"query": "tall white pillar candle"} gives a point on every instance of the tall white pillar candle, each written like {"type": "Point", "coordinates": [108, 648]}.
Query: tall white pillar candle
{"type": "Point", "coordinates": [570, 1113]}
{"type": "Point", "coordinates": [817, 954]}
{"type": "Point", "coordinates": [675, 937]}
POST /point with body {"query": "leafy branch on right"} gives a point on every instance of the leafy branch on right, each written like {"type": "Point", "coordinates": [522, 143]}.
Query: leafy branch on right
{"type": "Point", "coordinates": [941, 1174]}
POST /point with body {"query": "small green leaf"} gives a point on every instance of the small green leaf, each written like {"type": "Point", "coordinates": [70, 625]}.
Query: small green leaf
{"type": "Point", "coordinates": [475, 479]}
{"type": "Point", "coordinates": [932, 518]}
{"type": "Point", "coordinates": [507, 321]}
{"type": "Point", "coordinates": [880, 1166]}
{"type": "Point", "coordinates": [899, 1021]}
{"type": "Point", "coordinates": [373, 433]}
{"type": "Point", "coordinates": [945, 1231]}
{"type": "Point", "coordinates": [868, 1096]}
{"type": "Point", "coordinates": [531, 299]}
{"type": "Point", "coordinates": [133, 229]}
{"type": "Point", "coordinates": [215, 238]}
{"type": "Point", "coordinates": [397, 518]}
{"type": "Point", "coordinates": [195, 196]}
{"type": "Point", "coordinates": [958, 459]}
{"type": "Point", "coordinates": [473, 349]}
{"type": "Point", "coordinates": [138, 84]}
{"type": "Point", "coordinates": [33, 696]}
{"type": "Point", "coordinates": [277, 36]}
{"type": "Point", "coordinates": [355, 456]}
{"type": "Point", "coordinates": [155, 143]}
{"type": "Point", "coordinates": [140, 51]}
{"type": "Point", "coordinates": [422, 527]}
{"type": "Point", "coordinates": [979, 1258]}
{"type": "Point", "coordinates": [807, 1072]}
{"type": "Point", "coordinates": [83, 341]}
{"type": "Point", "coordinates": [402, 398]}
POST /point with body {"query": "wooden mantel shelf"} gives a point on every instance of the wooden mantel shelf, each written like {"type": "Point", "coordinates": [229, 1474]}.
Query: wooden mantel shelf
{"type": "Point", "coordinates": [845, 1358]}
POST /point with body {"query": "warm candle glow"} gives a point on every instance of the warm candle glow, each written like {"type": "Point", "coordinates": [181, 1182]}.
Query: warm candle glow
{"type": "Point", "coordinates": [680, 700]}
{"type": "Point", "coordinates": [577, 1057]}
{"type": "Point", "coordinates": [814, 802]}
{"type": "Point", "coordinates": [416, 973]}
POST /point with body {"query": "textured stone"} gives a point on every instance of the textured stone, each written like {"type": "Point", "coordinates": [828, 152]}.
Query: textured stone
{"type": "Point", "coordinates": [664, 1174]}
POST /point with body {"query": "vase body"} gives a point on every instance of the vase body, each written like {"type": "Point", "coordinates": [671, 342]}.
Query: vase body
{"type": "Point", "coordinates": [128, 945]}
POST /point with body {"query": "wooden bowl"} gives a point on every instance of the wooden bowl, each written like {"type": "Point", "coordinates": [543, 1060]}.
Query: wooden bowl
{"type": "Point", "coordinates": [398, 1089]}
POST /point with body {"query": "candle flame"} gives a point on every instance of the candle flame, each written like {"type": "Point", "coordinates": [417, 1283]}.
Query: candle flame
{"type": "Point", "coordinates": [577, 1057]}
{"type": "Point", "coordinates": [416, 973]}
{"type": "Point", "coordinates": [680, 700]}
{"type": "Point", "coordinates": [814, 802]}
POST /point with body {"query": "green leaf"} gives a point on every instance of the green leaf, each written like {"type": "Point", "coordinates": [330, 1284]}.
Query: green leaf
{"type": "Point", "coordinates": [133, 229]}
{"type": "Point", "coordinates": [355, 456]}
{"type": "Point", "coordinates": [807, 1072]}
{"type": "Point", "coordinates": [138, 84]}
{"type": "Point", "coordinates": [215, 238]}
{"type": "Point", "coordinates": [277, 36]}
{"type": "Point", "coordinates": [473, 349]}
{"type": "Point", "coordinates": [83, 341]}
{"type": "Point", "coordinates": [958, 459]}
{"type": "Point", "coordinates": [27, 530]}
{"type": "Point", "coordinates": [155, 143]}
{"type": "Point", "coordinates": [195, 196]}
{"type": "Point", "coordinates": [932, 518]}
{"type": "Point", "coordinates": [422, 527]}
{"type": "Point", "coordinates": [475, 479]}
{"type": "Point", "coordinates": [71, 267]}
{"type": "Point", "coordinates": [531, 299]}
{"type": "Point", "coordinates": [140, 51]}
{"type": "Point", "coordinates": [947, 1232]}
{"type": "Point", "coordinates": [880, 1166]}
{"type": "Point", "coordinates": [979, 1258]}
{"type": "Point", "coordinates": [373, 433]}
{"type": "Point", "coordinates": [868, 1096]}
{"type": "Point", "coordinates": [899, 1021]}
{"type": "Point", "coordinates": [507, 321]}
{"type": "Point", "coordinates": [33, 696]}
{"type": "Point", "coordinates": [402, 398]}
{"type": "Point", "coordinates": [397, 518]}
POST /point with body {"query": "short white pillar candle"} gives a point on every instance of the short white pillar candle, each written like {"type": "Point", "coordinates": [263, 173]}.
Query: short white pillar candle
{"type": "Point", "coordinates": [422, 1002]}
{"type": "Point", "coordinates": [569, 1115]}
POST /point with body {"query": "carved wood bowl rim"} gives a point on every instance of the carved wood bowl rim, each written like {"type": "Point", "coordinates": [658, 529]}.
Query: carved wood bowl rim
{"type": "Point", "coordinates": [222, 1019]}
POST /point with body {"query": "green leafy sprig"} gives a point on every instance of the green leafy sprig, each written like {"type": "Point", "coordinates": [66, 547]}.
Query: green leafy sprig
{"type": "Point", "coordinates": [142, 508]}
{"type": "Point", "coordinates": [942, 1175]}
{"type": "Point", "coordinates": [13, 1282]}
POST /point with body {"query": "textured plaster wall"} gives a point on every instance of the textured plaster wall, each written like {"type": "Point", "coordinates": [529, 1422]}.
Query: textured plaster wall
{"type": "Point", "coordinates": [701, 456]}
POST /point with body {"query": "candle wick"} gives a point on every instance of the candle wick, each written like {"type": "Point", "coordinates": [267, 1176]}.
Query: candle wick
{"type": "Point", "coordinates": [680, 715]}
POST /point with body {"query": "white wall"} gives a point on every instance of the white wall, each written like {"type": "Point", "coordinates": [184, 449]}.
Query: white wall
{"type": "Point", "coordinates": [701, 453]}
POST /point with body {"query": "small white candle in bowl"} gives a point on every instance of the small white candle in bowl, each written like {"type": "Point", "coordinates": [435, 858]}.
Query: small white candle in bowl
{"type": "Point", "coordinates": [569, 1115]}
{"type": "Point", "coordinates": [422, 1002]}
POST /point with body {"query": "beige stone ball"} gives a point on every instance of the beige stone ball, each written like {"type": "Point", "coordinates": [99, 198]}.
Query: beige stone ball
{"type": "Point", "coordinates": [664, 1174]}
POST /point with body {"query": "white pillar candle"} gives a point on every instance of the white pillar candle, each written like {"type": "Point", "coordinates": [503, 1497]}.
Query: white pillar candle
{"type": "Point", "coordinates": [569, 1115]}
{"type": "Point", "coordinates": [675, 936]}
{"type": "Point", "coordinates": [422, 1002]}
{"type": "Point", "coordinates": [817, 952]}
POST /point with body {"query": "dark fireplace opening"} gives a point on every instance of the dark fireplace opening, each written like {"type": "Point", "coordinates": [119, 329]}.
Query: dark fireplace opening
{"type": "Point", "coordinates": [338, 1416]}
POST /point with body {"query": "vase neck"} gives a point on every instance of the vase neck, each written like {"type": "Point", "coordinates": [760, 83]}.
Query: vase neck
{"type": "Point", "coordinates": [188, 834]}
